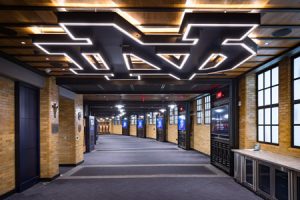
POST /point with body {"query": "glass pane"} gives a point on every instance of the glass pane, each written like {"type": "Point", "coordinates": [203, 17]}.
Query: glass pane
{"type": "Point", "coordinates": [275, 115]}
{"type": "Point", "coordinates": [297, 67]}
{"type": "Point", "coordinates": [267, 116]}
{"type": "Point", "coordinates": [297, 136]}
{"type": "Point", "coordinates": [260, 98]}
{"type": "Point", "coordinates": [249, 171]}
{"type": "Point", "coordinates": [267, 96]}
{"type": "Point", "coordinates": [260, 81]}
{"type": "Point", "coordinates": [264, 183]}
{"type": "Point", "coordinates": [297, 114]}
{"type": "Point", "coordinates": [261, 133]}
{"type": "Point", "coordinates": [281, 185]}
{"type": "Point", "coordinates": [275, 134]}
{"type": "Point", "coordinates": [267, 79]}
{"type": "Point", "coordinates": [275, 76]}
{"type": "Point", "coordinates": [275, 95]}
{"type": "Point", "coordinates": [297, 89]}
{"type": "Point", "coordinates": [267, 133]}
{"type": "Point", "coordinates": [261, 116]}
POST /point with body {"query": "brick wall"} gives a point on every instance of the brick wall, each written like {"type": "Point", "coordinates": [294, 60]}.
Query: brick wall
{"type": "Point", "coordinates": [151, 131]}
{"type": "Point", "coordinates": [70, 148]}
{"type": "Point", "coordinates": [7, 135]}
{"type": "Point", "coordinates": [172, 132]}
{"type": "Point", "coordinates": [248, 111]}
{"type": "Point", "coordinates": [200, 139]}
{"type": "Point", "coordinates": [49, 141]}
{"type": "Point", "coordinates": [133, 129]}
{"type": "Point", "coordinates": [116, 129]}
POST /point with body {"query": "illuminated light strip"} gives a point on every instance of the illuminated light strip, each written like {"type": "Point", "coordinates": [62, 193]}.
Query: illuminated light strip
{"type": "Point", "coordinates": [158, 74]}
{"type": "Point", "coordinates": [192, 76]}
{"type": "Point", "coordinates": [145, 61]}
{"type": "Point", "coordinates": [208, 59]}
{"type": "Point", "coordinates": [186, 56]}
{"type": "Point", "coordinates": [174, 76]}
{"type": "Point", "coordinates": [92, 64]}
{"type": "Point", "coordinates": [184, 38]}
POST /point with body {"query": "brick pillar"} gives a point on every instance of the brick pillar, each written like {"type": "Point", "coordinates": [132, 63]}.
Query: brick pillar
{"type": "Point", "coordinates": [247, 111]}
{"type": "Point", "coordinates": [49, 129]}
{"type": "Point", "coordinates": [70, 146]}
{"type": "Point", "coordinates": [7, 135]}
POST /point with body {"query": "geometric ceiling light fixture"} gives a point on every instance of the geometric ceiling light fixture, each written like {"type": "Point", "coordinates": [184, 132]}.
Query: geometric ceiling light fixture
{"type": "Point", "coordinates": [134, 62]}
{"type": "Point", "coordinates": [176, 59]}
{"type": "Point", "coordinates": [198, 33]}
{"type": "Point", "coordinates": [96, 61]}
{"type": "Point", "coordinates": [213, 61]}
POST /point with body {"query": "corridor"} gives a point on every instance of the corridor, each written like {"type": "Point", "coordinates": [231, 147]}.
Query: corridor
{"type": "Point", "coordinates": [125, 167]}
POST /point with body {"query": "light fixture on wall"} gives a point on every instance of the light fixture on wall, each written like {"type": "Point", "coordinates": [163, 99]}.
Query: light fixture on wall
{"type": "Point", "coordinates": [162, 110]}
{"type": "Point", "coordinates": [119, 106]}
{"type": "Point", "coordinates": [55, 109]}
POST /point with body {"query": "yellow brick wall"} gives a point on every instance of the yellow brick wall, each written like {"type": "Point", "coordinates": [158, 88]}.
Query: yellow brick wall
{"type": "Point", "coordinates": [151, 131]}
{"type": "Point", "coordinates": [248, 112]}
{"type": "Point", "coordinates": [70, 148]}
{"type": "Point", "coordinates": [133, 129]}
{"type": "Point", "coordinates": [116, 129]}
{"type": "Point", "coordinates": [172, 133]}
{"type": "Point", "coordinates": [48, 140]}
{"type": "Point", "coordinates": [7, 136]}
{"type": "Point", "coordinates": [200, 138]}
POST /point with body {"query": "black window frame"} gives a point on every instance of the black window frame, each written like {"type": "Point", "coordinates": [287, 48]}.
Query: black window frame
{"type": "Point", "coordinates": [207, 109]}
{"type": "Point", "coordinates": [293, 102]}
{"type": "Point", "coordinates": [133, 121]}
{"type": "Point", "coordinates": [173, 114]}
{"type": "Point", "coordinates": [264, 107]}
{"type": "Point", "coordinates": [199, 111]}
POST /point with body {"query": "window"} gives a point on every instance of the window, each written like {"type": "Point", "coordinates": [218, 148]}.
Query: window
{"type": "Point", "coordinates": [133, 119]}
{"type": "Point", "coordinates": [207, 109]}
{"type": "Point", "coordinates": [173, 115]}
{"type": "Point", "coordinates": [152, 118]}
{"type": "Point", "coordinates": [267, 102]}
{"type": "Point", "coordinates": [296, 100]}
{"type": "Point", "coordinates": [199, 110]}
{"type": "Point", "coordinates": [117, 121]}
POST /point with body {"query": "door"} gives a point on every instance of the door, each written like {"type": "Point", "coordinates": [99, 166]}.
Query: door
{"type": "Point", "coordinates": [27, 136]}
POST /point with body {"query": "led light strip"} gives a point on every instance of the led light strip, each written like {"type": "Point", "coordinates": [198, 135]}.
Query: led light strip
{"type": "Point", "coordinates": [159, 74]}
{"type": "Point", "coordinates": [145, 61]}
{"type": "Point", "coordinates": [186, 56]}
{"type": "Point", "coordinates": [184, 38]}
{"type": "Point", "coordinates": [208, 59]}
{"type": "Point", "coordinates": [85, 55]}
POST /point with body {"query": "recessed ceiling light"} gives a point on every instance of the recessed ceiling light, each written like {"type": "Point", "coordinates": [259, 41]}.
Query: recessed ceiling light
{"type": "Point", "coordinates": [23, 42]}
{"type": "Point", "coordinates": [267, 43]}
{"type": "Point", "coordinates": [47, 58]}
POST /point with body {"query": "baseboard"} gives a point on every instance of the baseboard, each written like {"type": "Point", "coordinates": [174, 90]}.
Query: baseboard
{"type": "Point", "coordinates": [49, 179]}
{"type": "Point", "coordinates": [71, 165]}
{"type": "Point", "coordinates": [7, 194]}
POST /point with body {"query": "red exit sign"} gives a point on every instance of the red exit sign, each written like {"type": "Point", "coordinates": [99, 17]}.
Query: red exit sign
{"type": "Point", "coordinates": [219, 95]}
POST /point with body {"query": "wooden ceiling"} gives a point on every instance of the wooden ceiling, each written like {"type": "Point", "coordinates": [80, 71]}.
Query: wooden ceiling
{"type": "Point", "coordinates": [19, 19]}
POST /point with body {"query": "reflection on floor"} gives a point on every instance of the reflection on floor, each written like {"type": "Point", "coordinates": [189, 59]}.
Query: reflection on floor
{"type": "Point", "coordinates": [130, 168]}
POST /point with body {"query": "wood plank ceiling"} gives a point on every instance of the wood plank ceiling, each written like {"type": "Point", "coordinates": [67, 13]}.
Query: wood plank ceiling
{"type": "Point", "coordinates": [20, 19]}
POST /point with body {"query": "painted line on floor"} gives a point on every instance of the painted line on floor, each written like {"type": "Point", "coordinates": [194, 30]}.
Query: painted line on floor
{"type": "Point", "coordinates": [144, 176]}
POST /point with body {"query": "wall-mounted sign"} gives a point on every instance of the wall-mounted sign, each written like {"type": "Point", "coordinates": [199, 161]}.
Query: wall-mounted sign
{"type": "Point", "coordinates": [159, 123]}
{"type": "Point", "coordinates": [55, 109]}
{"type": "Point", "coordinates": [181, 123]}
{"type": "Point", "coordinates": [124, 124]}
{"type": "Point", "coordinates": [140, 123]}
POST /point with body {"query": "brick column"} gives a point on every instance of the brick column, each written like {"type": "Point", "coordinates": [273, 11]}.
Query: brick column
{"type": "Point", "coordinates": [49, 130]}
{"type": "Point", "coordinates": [247, 111]}
{"type": "Point", "coordinates": [7, 135]}
{"type": "Point", "coordinates": [71, 131]}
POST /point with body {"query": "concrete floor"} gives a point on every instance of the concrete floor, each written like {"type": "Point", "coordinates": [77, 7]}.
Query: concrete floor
{"type": "Point", "coordinates": [130, 168]}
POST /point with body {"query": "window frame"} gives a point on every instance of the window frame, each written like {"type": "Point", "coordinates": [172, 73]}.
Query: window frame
{"type": "Point", "coordinates": [270, 106]}
{"type": "Point", "coordinates": [173, 116]}
{"type": "Point", "coordinates": [133, 121]}
{"type": "Point", "coordinates": [293, 102]}
{"type": "Point", "coordinates": [200, 111]}
{"type": "Point", "coordinates": [151, 119]}
{"type": "Point", "coordinates": [207, 110]}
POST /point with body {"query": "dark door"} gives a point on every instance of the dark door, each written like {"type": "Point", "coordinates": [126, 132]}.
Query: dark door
{"type": "Point", "coordinates": [90, 134]}
{"type": "Point", "coordinates": [161, 128]}
{"type": "Point", "coordinates": [27, 136]}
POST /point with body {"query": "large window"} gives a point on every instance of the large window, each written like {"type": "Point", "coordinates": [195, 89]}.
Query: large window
{"type": "Point", "coordinates": [296, 99]}
{"type": "Point", "coordinates": [199, 110]}
{"type": "Point", "coordinates": [133, 119]}
{"type": "Point", "coordinates": [267, 102]}
{"type": "Point", "coordinates": [173, 115]}
{"type": "Point", "coordinates": [207, 109]}
{"type": "Point", "coordinates": [117, 121]}
{"type": "Point", "coordinates": [152, 118]}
